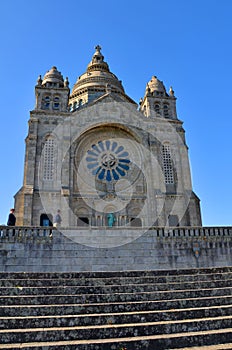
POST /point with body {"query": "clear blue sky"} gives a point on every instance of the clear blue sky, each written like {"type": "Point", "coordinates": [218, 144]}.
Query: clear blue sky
{"type": "Point", "coordinates": [186, 43]}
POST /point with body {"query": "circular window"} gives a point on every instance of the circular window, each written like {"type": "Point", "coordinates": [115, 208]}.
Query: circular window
{"type": "Point", "coordinates": [108, 160]}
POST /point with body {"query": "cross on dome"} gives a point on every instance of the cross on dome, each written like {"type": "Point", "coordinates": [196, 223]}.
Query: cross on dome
{"type": "Point", "coordinates": [98, 48]}
{"type": "Point", "coordinates": [98, 57]}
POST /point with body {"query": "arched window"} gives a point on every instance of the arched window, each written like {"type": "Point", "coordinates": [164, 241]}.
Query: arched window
{"type": "Point", "coordinates": [83, 221]}
{"type": "Point", "coordinates": [56, 103]}
{"type": "Point", "coordinates": [157, 108]}
{"type": "Point", "coordinates": [166, 110]}
{"type": "Point", "coordinates": [46, 104]}
{"type": "Point", "coordinates": [75, 105]}
{"type": "Point", "coordinates": [167, 164]}
{"type": "Point", "coordinates": [48, 159]}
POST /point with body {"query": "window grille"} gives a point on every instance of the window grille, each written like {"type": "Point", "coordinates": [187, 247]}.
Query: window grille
{"type": "Point", "coordinates": [166, 110]}
{"type": "Point", "coordinates": [167, 165]}
{"type": "Point", "coordinates": [48, 173]}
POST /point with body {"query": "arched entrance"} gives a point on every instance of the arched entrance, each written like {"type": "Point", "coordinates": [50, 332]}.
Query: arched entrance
{"type": "Point", "coordinates": [46, 220]}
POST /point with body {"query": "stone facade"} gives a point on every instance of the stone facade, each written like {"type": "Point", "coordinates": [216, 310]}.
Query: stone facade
{"type": "Point", "coordinates": [97, 157]}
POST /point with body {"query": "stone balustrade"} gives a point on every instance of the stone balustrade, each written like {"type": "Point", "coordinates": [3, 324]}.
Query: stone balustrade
{"type": "Point", "coordinates": [7, 232]}
{"type": "Point", "coordinates": [159, 232]}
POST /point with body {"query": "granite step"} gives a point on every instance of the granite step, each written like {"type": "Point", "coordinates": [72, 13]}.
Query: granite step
{"type": "Point", "coordinates": [111, 297]}
{"type": "Point", "coordinates": [114, 331]}
{"type": "Point", "coordinates": [182, 341]}
{"type": "Point", "coordinates": [129, 310]}
{"type": "Point", "coordinates": [83, 281]}
{"type": "Point", "coordinates": [120, 288]}
{"type": "Point", "coordinates": [227, 346]}
{"type": "Point", "coordinates": [112, 318]}
{"type": "Point", "coordinates": [114, 274]}
{"type": "Point", "coordinates": [25, 310]}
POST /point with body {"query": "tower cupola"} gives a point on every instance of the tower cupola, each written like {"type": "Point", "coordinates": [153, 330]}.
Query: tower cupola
{"type": "Point", "coordinates": [156, 85]}
{"type": "Point", "coordinates": [53, 78]}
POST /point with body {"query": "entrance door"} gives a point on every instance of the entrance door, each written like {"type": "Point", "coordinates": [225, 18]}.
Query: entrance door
{"type": "Point", "coordinates": [45, 220]}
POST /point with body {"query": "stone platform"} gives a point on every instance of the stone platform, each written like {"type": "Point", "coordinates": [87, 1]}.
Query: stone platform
{"type": "Point", "coordinates": [45, 249]}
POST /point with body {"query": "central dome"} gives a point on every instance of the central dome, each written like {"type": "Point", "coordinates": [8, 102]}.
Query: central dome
{"type": "Point", "coordinates": [98, 75]}
{"type": "Point", "coordinates": [97, 81]}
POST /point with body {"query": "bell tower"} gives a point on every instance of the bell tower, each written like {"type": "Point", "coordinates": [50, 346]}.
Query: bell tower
{"type": "Point", "coordinates": [51, 105]}
{"type": "Point", "coordinates": [52, 92]}
{"type": "Point", "coordinates": [157, 102]}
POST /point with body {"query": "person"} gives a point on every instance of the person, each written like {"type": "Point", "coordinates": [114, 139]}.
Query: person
{"type": "Point", "coordinates": [58, 219]}
{"type": "Point", "coordinates": [11, 220]}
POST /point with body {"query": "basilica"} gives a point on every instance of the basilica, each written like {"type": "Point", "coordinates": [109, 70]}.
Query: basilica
{"type": "Point", "coordinates": [103, 160]}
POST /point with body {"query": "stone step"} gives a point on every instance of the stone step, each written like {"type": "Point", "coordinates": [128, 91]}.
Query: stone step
{"type": "Point", "coordinates": [114, 274]}
{"type": "Point", "coordinates": [129, 310]}
{"type": "Point", "coordinates": [114, 331]}
{"type": "Point", "coordinates": [112, 297]}
{"type": "Point", "coordinates": [127, 288]}
{"type": "Point", "coordinates": [137, 341]}
{"type": "Point", "coordinates": [112, 318]}
{"type": "Point", "coordinates": [75, 281]}
{"type": "Point", "coordinates": [227, 346]}
{"type": "Point", "coordinates": [89, 308]}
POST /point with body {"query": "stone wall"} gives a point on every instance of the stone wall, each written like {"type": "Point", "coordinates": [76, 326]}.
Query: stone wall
{"type": "Point", "coordinates": [36, 249]}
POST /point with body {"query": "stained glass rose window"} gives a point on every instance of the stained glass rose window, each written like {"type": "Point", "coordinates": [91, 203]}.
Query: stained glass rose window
{"type": "Point", "coordinates": [108, 160]}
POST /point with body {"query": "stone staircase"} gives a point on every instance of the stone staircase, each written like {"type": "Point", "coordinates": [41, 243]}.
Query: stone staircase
{"type": "Point", "coordinates": [162, 309]}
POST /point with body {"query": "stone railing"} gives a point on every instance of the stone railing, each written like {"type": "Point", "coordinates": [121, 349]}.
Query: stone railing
{"type": "Point", "coordinates": [15, 232]}
{"type": "Point", "coordinates": [193, 231]}
{"type": "Point", "coordinates": [159, 232]}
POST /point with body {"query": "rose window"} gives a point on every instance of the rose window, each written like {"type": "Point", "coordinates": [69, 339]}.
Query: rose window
{"type": "Point", "coordinates": [107, 160]}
